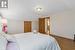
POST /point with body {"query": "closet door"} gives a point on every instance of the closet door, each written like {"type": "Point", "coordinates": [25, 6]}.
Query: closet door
{"type": "Point", "coordinates": [47, 25]}
{"type": "Point", "coordinates": [42, 25]}
{"type": "Point", "coordinates": [27, 26]}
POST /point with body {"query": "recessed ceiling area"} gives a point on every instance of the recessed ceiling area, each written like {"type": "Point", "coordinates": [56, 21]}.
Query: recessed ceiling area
{"type": "Point", "coordinates": [21, 9]}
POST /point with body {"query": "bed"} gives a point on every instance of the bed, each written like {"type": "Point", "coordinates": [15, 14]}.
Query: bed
{"type": "Point", "coordinates": [31, 41]}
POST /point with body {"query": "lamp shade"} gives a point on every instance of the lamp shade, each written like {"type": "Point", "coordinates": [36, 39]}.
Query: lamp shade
{"type": "Point", "coordinates": [4, 25]}
{"type": "Point", "coordinates": [4, 20]}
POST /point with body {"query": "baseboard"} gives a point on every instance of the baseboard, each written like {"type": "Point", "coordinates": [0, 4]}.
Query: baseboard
{"type": "Point", "coordinates": [61, 37]}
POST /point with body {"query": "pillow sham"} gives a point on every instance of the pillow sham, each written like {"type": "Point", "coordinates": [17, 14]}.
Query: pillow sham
{"type": "Point", "coordinates": [3, 42]}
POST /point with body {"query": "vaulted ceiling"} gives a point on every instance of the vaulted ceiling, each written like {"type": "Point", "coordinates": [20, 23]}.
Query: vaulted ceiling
{"type": "Point", "coordinates": [21, 9]}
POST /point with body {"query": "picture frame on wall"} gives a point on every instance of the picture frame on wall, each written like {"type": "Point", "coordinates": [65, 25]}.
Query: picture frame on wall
{"type": "Point", "coordinates": [3, 3]}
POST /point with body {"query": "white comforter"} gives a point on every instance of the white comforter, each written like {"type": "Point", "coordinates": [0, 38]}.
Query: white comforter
{"type": "Point", "coordinates": [31, 41]}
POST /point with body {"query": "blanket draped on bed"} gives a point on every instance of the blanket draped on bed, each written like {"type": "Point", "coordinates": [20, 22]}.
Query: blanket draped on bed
{"type": "Point", "coordinates": [31, 41]}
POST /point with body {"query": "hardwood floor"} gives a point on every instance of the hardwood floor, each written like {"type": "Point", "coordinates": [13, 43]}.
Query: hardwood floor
{"type": "Point", "coordinates": [65, 44]}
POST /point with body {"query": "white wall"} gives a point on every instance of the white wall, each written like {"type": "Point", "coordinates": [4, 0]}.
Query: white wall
{"type": "Point", "coordinates": [63, 24]}
{"type": "Point", "coordinates": [35, 25]}
{"type": "Point", "coordinates": [0, 24]}
{"type": "Point", "coordinates": [17, 26]}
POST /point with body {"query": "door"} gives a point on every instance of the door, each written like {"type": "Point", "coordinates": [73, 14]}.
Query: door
{"type": "Point", "coordinates": [47, 25]}
{"type": "Point", "coordinates": [27, 26]}
{"type": "Point", "coordinates": [42, 25]}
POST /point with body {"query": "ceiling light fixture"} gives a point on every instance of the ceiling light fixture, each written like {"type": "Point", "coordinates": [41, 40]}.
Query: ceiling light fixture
{"type": "Point", "coordinates": [38, 9]}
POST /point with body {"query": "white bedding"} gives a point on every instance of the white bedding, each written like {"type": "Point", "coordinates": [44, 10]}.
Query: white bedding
{"type": "Point", "coordinates": [3, 42]}
{"type": "Point", "coordinates": [12, 46]}
{"type": "Point", "coordinates": [30, 41]}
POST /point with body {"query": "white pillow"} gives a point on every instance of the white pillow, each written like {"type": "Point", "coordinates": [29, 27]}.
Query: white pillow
{"type": "Point", "coordinates": [3, 42]}
{"type": "Point", "coordinates": [9, 37]}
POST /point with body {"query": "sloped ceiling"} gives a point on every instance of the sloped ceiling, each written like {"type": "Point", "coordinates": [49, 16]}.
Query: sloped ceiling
{"type": "Point", "coordinates": [21, 9]}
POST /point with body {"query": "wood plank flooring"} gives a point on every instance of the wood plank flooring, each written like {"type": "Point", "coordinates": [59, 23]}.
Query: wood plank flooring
{"type": "Point", "coordinates": [65, 44]}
